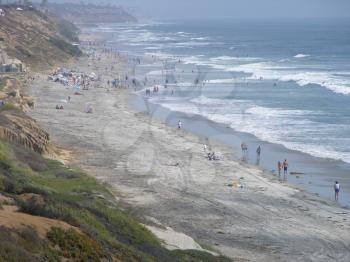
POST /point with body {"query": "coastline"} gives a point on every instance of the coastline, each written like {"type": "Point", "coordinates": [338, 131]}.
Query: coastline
{"type": "Point", "coordinates": [306, 172]}
{"type": "Point", "coordinates": [313, 138]}
{"type": "Point", "coordinates": [163, 173]}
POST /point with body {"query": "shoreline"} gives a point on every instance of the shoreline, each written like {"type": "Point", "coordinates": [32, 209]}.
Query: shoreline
{"type": "Point", "coordinates": [306, 172]}
{"type": "Point", "coordinates": [163, 173]}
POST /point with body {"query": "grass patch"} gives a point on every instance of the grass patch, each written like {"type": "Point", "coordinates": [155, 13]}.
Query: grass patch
{"type": "Point", "coordinates": [9, 107]}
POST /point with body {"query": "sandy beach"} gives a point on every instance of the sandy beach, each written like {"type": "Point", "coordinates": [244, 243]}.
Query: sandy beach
{"type": "Point", "coordinates": [163, 174]}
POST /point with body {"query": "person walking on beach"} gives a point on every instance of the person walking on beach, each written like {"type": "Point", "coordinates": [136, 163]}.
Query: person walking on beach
{"type": "Point", "coordinates": [244, 148]}
{"type": "Point", "coordinates": [179, 124]}
{"type": "Point", "coordinates": [336, 190]}
{"type": "Point", "coordinates": [258, 151]}
{"type": "Point", "coordinates": [279, 168]}
{"type": "Point", "coordinates": [285, 169]}
{"type": "Point", "coordinates": [244, 151]}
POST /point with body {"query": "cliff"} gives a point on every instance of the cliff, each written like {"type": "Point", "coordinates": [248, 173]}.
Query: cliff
{"type": "Point", "coordinates": [89, 13]}
{"type": "Point", "coordinates": [38, 40]}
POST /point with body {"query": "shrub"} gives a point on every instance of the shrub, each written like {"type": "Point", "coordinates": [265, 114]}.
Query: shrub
{"type": "Point", "coordinates": [29, 240]}
{"type": "Point", "coordinates": [13, 186]}
{"type": "Point", "coordinates": [2, 83]}
{"type": "Point", "coordinates": [65, 46]}
{"type": "Point", "coordinates": [76, 246]}
{"type": "Point", "coordinates": [10, 248]}
{"type": "Point", "coordinates": [9, 107]}
{"type": "Point", "coordinates": [68, 30]}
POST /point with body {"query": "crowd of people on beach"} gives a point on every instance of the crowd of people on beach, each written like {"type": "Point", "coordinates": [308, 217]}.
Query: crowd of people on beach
{"type": "Point", "coordinates": [71, 78]}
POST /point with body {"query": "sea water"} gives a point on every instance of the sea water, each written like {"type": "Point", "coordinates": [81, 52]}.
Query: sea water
{"type": "Point", "coordinates": [285, 82]}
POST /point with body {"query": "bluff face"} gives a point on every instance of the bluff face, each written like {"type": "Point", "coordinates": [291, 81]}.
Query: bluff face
{"type": "Point", "coordinates": [37, 39]}
{"type": "Point", "coordinates": [88, 13]}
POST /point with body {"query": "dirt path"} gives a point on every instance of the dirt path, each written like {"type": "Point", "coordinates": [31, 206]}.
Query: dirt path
{"type": "Point", "coordinates": [164, 174]}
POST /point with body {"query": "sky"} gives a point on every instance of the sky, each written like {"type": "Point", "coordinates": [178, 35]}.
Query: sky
{"type": "Point", "coordinates": [185, 9]}
{"type": "Point", "coordinates": [249, 9]}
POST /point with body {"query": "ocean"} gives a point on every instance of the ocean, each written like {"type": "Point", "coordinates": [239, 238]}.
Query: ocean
{"type": "Point", "coordinates": [284, 82]}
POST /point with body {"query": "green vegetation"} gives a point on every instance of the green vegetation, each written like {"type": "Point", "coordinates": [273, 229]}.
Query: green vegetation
{"type": "Point", "coordinates": [65, 46]}
{"type": "Point", "coordinates": [24, 245]}
{"type": "Point", "coordinates": [68, 30]}
{"type": "Point", "coordinates": [76, 246]}
{"type": "Point", "coordinates": [107, 230]}
{"type": "Point", "coordinates": [9, 107]}
{"type": "Point", "coordinates": [2, 83]}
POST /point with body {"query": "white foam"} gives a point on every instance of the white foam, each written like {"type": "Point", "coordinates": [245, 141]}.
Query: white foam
{"type": "Point", "coordinates": [193, 60]}
{"type": "Point", "coordinates": [153, 48]}
{"type": "Point", "coordinates": [275, 125]}
{"type": "Point", "coordinates": [271, 71]}
{"type": "Point", "coordinates": [190, 44]}
{"type": "Point", "coordinates": [203, 100]}
{"type": "Point", "coordinates": [233, 58]}
{"type": "Point", "coordinates": [223, 81]}
{"type": "Point", "coordinates": [301, 56]}
{"type": "Point", "coordinates": [277, 112]}
{"type": "Point", "coordinates": [200, 38]}
{"type": "Point", "coordinates": [155, 73]}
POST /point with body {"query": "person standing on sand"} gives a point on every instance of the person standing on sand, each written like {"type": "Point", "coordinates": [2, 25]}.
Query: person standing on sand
{"type": "Point", "coordinates": [244, 148]}
{"type": "Point", "coordinates": [258, 153]}
{"type": "Point", "coordinates": [179, 124]}
{"type": "Point", "coordinates": [285, 169]}
{"type": "Point", "coordinates": [279, 168]}
{"type": "Point", "coordinates": [336, 190]}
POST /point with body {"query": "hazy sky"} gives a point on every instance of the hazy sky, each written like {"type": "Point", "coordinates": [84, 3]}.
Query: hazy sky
{"type": "Point", "coordinates": [180, 9]}
{"type": "Point", "coordinates": [172, 9]}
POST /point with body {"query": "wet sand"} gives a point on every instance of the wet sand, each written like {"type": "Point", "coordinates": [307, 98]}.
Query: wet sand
{"type": "Point", "coordinates": [163, 173]}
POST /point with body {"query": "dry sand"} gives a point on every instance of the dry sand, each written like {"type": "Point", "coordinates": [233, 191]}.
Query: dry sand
{"type": "Point", "coordinates": [163, 173]}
